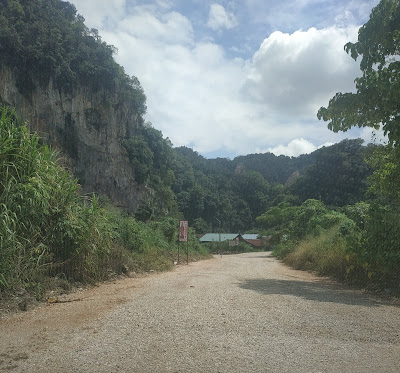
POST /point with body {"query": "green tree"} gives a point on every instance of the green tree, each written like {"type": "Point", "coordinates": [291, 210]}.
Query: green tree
{"type": "Point", "coordinates": [376, 103]}
{"type": "Point", "coordinates": [338, 177]}
{"type": "Point", "coordinates": [42, 40]}
{"type": "Point", "coordinates": [251, 188]}
{"type": "Point", "coordinates": [377, 100]}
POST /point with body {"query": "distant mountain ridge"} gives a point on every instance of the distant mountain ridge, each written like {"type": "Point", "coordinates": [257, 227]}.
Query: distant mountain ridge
{"type": "Point", "coordinates": [275, 169]}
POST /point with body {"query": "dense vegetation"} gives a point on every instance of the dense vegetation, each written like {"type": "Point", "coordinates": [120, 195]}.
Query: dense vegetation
{"type": "Point", "coordinates": [236, 192]}
{"type": "Point", "coordinates": [48, 228]}
{"type": "Point", "coordinates": [45, 39]}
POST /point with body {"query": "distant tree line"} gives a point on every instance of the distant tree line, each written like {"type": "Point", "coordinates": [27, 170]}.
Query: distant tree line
{"type": "Point", "coordinates": [238, 191]}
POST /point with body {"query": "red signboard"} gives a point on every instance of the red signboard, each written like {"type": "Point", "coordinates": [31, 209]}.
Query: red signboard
{"type": "Point", "coordinates": [183, 230]}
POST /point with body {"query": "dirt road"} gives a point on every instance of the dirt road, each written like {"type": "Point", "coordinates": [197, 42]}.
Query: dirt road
{"type": "Point", "coordinates": [241, 313]}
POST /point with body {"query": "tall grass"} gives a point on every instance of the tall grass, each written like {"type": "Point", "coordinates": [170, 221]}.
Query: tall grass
{"type": "Point", "coordinates": [153, 245]}
{"type": "Point", "coordinates": [325, 254]}
{"type": "Point", "coordinates": [48, 228]}
{"type": "Point", "coordinates": [339, 255]}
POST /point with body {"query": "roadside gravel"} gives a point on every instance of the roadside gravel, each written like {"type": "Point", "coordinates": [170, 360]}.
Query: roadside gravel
{"type": "Point", "coordinates": [239, 313]}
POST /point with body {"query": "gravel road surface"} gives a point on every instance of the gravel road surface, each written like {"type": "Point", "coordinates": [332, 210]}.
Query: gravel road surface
{"type": "Point", "coordinates": [239, 313]}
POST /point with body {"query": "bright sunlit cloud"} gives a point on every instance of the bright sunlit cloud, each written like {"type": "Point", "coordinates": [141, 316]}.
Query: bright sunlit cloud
{"type": "Point", "coordinates": [296, 147]}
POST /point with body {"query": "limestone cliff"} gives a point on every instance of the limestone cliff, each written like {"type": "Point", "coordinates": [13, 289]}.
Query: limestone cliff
{"type": "Point", "coordinates": [88, 129]}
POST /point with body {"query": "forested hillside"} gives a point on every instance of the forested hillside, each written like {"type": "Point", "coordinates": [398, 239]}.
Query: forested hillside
{"type": "Point", "coordinates": [62, 79]}
{"type": "Point", "coordinates": [237, 191]}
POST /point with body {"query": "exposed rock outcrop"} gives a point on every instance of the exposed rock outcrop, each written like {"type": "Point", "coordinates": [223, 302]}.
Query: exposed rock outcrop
{"type": "Point", "coordinates": [88, 129]}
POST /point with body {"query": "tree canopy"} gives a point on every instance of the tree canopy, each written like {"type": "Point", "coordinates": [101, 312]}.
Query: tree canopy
{"type": "Point", "coordinates": [46, 39]}
{"type": "Point", "coordinates": [338, 177]}
{"type": "Point", "coordinates": [376, 102]}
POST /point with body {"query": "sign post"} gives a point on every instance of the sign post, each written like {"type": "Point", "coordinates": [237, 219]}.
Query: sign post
{"type": "Point", "coordinates": [184, 237]}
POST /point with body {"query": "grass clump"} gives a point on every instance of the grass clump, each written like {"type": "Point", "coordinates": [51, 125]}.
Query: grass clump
{"type": "Point", "coordinates": [48, 229]}
{"type": "Point", "coordinates": [358, 245]}
{"type": "Point", "coordinates": [46, 225]}
{"type": "Point", "coordinates": [325, 254]}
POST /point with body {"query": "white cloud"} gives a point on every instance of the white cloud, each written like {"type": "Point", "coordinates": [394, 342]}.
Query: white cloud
{"type": "Point", "coordinates": [345, 18]}
{"type": "Point", "coordinates": [200, 97]}
{"type": "Point", "coordinates": [100, 16]}
{"type": "Point", "coordinates": [294, 148]}
{"type": "Point", "coordinates": [164, 4]}
{"type": "Point", "coordinates": [297, 147]}
{"type": "Point", "coordinates": [371, 135]}
{"type": "Point", "coordinates": [219, 18]}
{"type": "Point", "coordinates": [295, 74]}
{"type": "Point", "coordinates": [167, 28]}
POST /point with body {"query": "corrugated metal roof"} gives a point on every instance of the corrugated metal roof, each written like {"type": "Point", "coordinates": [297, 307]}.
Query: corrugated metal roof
{"type": "Point", "coordinates": [210, 237]}
{"type": "Point", "coordinates": [249, 236]}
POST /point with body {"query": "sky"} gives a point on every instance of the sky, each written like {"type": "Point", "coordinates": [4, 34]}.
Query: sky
{"type": "Point", "coordinates": [236, 77]}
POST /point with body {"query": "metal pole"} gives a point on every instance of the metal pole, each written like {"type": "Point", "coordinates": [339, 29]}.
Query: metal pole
{"type": "Point", "coordinates": [187, 248]}
{"type": "Point", "coordinates": [219, 236]}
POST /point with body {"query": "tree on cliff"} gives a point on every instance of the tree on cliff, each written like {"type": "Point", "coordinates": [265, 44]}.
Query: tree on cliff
{"type": "Point", "coordinates": [43, 39]}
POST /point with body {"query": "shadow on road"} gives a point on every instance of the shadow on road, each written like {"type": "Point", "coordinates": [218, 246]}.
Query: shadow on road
{"type": "Point", "coordinates": [313, 291]}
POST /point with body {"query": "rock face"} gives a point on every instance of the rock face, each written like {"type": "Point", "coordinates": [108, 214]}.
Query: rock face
{"type": "Point", "coordinates": [87, 129]}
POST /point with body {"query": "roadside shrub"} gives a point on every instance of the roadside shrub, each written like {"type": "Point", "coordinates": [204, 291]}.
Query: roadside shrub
{"type": "Point", "coordinates": [46, 226]}
{"type": "Point", "coordinates": [154, 245]}
{"type": "Point", "coordinates": [283, 249]}
{"type": "Point", "coordinates": [325, 254]}
{"type": "Point", "coordinates": [380, 250]}
{"type": "Point", "coordinates": [49, 229]}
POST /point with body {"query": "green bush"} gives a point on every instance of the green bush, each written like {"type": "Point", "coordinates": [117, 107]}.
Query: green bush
{"type": "Point", "coordinates": [379, 253]}
{"type": "Point", "coordinates": [153, 245]}
{"type": "Point", "coordinates": [325, 254]}
{"type": "Point", "coordinates": [46, 227]}
{"type": "Point", "coordinates": [49, 229]}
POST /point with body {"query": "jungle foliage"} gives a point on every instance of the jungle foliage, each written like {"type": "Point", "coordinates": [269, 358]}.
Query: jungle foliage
{"type": "Point", "coordinates": [49, 229]}
{"type": "Point", "coordinates": [152, 158]}
{"type": "Point", "coordinates": [236, 192]}
{"type": "Point", "coordinates": [46, 39]}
